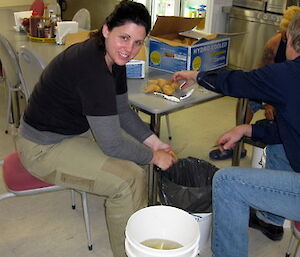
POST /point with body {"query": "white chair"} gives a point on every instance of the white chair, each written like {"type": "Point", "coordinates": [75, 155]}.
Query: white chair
{"type": "Point", "coordinates": [55, 8]}
{"type": "Point", "coordinates": [83, 18]}
{"type": "Point", "coordinates": [13, 79]}
{"type": "Point", "coordinates": [31, 66]}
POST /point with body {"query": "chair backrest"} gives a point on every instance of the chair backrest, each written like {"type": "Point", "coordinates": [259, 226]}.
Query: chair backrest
{"type": "Point", "coordinates": [55, 7]}
{"type": "Point", "coordinates": [31, 66]}
{"type": "Point", "coordinates": [10, 64]}
{"type": "Point", "coordinates": [83, 18]}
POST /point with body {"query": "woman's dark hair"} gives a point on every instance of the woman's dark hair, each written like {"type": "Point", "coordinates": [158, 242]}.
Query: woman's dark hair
{"type": "Point", "coordinates": [125, 11]}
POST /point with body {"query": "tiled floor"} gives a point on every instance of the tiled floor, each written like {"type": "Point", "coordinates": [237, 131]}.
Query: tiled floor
{"type": "Point", "coordinates": [45, 225]}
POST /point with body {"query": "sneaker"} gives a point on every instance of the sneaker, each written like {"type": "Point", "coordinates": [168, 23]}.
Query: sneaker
{"type": "Point", "coordinates": [271, 231]}
{"type": "Point", "coordinates": [218, 155]}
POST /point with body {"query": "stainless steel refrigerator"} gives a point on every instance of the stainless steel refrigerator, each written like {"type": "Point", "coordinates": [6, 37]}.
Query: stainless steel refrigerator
{"type": "Point", "coordinates": [254, 21]}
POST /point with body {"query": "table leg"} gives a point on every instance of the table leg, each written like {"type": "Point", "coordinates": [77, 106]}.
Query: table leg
{"type": "Point", "coordinates": [152, 186]}
{"type": "Point", "coordinates": [155, 123]}
{"type": "Point", "coordinates": [241, 116]}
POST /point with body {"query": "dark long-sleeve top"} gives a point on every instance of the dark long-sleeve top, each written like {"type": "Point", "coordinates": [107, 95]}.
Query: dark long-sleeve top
{"type": "Point", "coordinates": [76, 93]}
{"type": "Point", "coordinates": [276, 84]}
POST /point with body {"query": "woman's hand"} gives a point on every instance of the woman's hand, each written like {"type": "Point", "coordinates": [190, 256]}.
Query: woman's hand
{"type": "Point", "coordinates": [190, 77]}
{"type": "Point", "coordinates": [163, 156]}
{"type": "Point", "coordinates": [156, 144]}
{"type": "Point", "coordinates": [230, 138]}
{"type": "Point", "coordinates": [163, 159]}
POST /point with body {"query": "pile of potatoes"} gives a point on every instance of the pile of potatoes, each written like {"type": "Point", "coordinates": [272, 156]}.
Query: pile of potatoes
{"type": "Point", "coordinates": [167, 87]}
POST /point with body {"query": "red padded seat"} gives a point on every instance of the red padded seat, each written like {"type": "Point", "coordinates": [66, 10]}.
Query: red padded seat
{"type": "Point", "coordinates": [17, 178]}
{"type": "Point", "coordinates": [297, 225]}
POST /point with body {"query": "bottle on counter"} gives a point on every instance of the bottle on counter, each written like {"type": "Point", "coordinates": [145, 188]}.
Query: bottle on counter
{"type": "Point", "coordinates": [38, 7]}
{"type": "Point", "coordinates": [201, 14]}
{"type": "Point", "coordinates": [47, 23]}
{"type": "Point", "coordinates": [53, 23]}
{"type": "Point", "coordinates": [40, 28]}
{"type": "Point", "coordinates": [33, 24]}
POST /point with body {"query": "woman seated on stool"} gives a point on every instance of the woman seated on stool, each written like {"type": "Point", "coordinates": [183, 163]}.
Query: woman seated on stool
{"type": "Point", "coordinates": [72, 130]}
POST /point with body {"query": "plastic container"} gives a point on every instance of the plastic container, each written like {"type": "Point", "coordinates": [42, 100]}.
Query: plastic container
{"type": "Point", "coordinates": [204, 222]}
{"type": "Point", "coordinates": [162, 222]}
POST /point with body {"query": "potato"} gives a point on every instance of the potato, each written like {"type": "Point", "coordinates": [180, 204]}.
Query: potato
{"type": "Point", "coordinates": [175, 85]}
{"type": "Point", "coordinates": [168, 90]}
{"type": "Point", "coordinates": [162, 82]}
{"type": "Point", "coordinates": [152, 88]}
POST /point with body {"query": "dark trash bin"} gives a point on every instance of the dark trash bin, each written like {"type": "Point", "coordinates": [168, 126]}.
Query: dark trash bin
{"type": "Point", "coordinates": [188, 185]}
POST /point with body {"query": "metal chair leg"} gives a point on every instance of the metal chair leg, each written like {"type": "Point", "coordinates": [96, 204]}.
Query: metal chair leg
{"type": "Point", "coordinates": [297, 251]}
{"type": "Point", "coordinates": [86, 219]}
{"type": "Point", "coordinates": [168, 126]}
{"type": "Point", "coordinates": [291, 246]}
{"type": "Point", "coordinates": [73, 199]}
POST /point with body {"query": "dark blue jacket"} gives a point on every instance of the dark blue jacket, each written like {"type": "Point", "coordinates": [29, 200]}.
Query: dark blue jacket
{"type": "Point", "coordinates": [276, 84]}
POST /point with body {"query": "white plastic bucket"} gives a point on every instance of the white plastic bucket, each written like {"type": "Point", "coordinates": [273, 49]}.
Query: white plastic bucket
{"type": "Point", "coordinates": [162, 222]}
{"type": "Point", "coordinates": [204, 222]}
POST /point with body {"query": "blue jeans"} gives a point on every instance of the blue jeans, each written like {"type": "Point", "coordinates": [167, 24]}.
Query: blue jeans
{"type": "Point", "coordinates": [275, 160]}
{"type": "Point", "coordinates": [236, 189]}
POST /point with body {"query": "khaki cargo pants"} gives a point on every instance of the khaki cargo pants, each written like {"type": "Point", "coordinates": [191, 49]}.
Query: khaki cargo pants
{"type": "Point", "coordinates": [79, 163]}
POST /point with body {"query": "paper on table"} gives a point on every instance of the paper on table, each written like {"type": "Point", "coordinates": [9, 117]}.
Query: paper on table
{"type": "Point", "coordinates": [64, 28]}
{"type": "Point", "coordinates": [19, 16]}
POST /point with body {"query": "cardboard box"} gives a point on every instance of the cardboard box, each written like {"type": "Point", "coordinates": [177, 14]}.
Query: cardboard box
{"type": "Point", "coordinates": [171, 51]}
{"type": "Point", "coordinates": [135, 69]}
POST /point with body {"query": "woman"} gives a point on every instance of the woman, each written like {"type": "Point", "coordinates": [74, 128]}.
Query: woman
{"type": "Point", "coordinates": [84, 90]}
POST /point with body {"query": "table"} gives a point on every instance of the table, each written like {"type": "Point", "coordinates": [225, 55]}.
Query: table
{"type": "Point", "coordinates": [156, 107]}
{"type": "Point", "coordinates": [46, 50]}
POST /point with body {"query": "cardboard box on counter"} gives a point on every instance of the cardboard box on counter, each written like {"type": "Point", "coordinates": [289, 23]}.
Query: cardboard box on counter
{"type": "Point", "coordinates": [173, 47]}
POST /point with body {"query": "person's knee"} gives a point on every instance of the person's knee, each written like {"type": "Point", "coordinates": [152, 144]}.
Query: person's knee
{"type": "Point", "coordinates": [226, 179]}
{"type": "Point", "coordinates": [134, 182]}
{"type": "Point", "coordinates": [223, 174]}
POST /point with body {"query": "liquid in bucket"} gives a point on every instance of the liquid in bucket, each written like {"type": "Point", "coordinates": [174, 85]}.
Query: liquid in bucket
{"type": "Point", "coordinates": [161, 244]}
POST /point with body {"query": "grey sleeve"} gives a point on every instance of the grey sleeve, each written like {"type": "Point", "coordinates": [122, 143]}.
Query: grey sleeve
{"type": "Point", "coordinates": [111, 140]}
{"type": "Point", "coordinates": [130, 121]}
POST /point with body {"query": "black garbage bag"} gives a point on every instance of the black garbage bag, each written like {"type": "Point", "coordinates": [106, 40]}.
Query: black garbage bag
{"type": "Point", "coordinates": [187, 185]}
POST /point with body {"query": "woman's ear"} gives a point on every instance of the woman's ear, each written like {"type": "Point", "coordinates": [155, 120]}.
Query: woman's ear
{"type": "Point", "coordinates": [105, 31]}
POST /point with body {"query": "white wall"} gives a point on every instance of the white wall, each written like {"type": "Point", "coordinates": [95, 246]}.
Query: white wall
{"type": "Point", "coordinates": [215, 18]}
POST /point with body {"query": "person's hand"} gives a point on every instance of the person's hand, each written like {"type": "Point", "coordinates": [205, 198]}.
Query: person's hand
{"type": "Point", "coordinates": [163, 159]}
{"type": "Point", "coordinates": [269, 112]}
{"type": "Point", "coordinates": [231, 137]}
{"type": "Point", "coordinates": [189, 77]}
{"type": "Point", "coordinates": [156, 144]}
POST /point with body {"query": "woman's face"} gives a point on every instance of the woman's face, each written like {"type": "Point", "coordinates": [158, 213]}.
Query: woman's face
{"type": "Point", "coordinates": [123, 43]}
